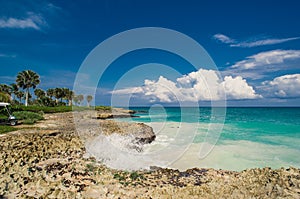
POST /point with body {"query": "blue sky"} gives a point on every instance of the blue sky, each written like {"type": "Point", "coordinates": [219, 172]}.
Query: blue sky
{"type": "Point", "coordinates": [255, 45]}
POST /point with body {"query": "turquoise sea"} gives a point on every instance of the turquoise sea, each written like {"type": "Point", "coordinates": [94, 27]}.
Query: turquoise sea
{"type": "Point", "coordinates": [250, 137]}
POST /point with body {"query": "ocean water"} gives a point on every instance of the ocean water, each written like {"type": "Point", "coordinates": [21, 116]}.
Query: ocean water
{"type": "Point", "coordinates": [204, 137]}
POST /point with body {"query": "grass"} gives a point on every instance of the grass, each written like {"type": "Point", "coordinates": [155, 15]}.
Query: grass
{"type": "Point", "coordinates": [44, 109]}
{"type": "Point", "coordinates": [57, 109]}
{"type": "Point", "coordinates": [28, 117]}
{"type": "Point", "coordinates": [31, 114]}
{"type": "Point", "coordinates": [5, 129]}
{"type": "Point", "coordinates": [103, 108]}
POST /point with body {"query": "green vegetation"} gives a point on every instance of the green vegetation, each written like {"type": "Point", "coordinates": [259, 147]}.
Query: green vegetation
{"type": "Point", "coordinates": [43, 109]}
{"type": "Point", "coordinates": [30, 108]}
{"type": "Point", "coordinates": [52, 100]}
{"type": "Point", "coordinates": [135, 176]}
{"type": "Point", "coordinates": [89, 98]}
{"type": "Point", "coordinates": [28, 117]}
{"type": "Point", "coordinates": [4, 97]}
{"type": "Point", "coordinates": [90, 168]}
{"type": "Point", "coordinates": [27, 79]}
{"type": "Point", "coordinates": [103, 108]}
{"type": "Point", "coordinates": [5, 129]}
{"type": "Point", "coordinates": [126, 178]}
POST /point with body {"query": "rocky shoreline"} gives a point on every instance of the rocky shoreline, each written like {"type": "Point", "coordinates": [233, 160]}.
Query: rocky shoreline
{"type": "Point", "coordinates": [48, 161]}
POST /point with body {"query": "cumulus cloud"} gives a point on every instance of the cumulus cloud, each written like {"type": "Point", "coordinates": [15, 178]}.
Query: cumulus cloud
{"type": "Point", "coordinates": [286, 86]}
{"type": "Point", "coordinates": [267, 58]}
{"type": "Point", "coordinates": [200, 85]}
{"type": "Point", "coordinates": [251, 43]}
{"type": "Point", "coordinates": [238, 88]}
{"type": "Point", "coordinates": [33, 21]}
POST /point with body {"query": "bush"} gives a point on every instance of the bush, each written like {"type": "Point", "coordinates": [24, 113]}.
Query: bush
{"type": "Point", "coordinates": [29, 121]}
{"type": "Point", "coordinates": [3, 116]}
{"type": "Point", "coordinates": [57, 109]}
{"type": "Point", "coordinates": [28, 117]}
{"type": "Point", "coordinates": [4, 97]}
{"type": "Point", "coordinates": [103, 108]}
{"type": "Point", "coordinates": [44, 109]}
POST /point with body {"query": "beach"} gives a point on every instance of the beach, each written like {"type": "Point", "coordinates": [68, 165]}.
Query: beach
{"type": "Point", "coordinates": [50, 160]}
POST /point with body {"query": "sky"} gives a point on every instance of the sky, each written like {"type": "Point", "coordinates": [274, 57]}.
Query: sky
{"type": "Point", "coordinates": [255, 46]}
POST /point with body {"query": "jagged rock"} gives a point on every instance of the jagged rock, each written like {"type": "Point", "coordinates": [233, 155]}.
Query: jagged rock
{"type": "Point", "coordinates": [104, 116]}
{"type": "Point", "coordinates": [50, 163]}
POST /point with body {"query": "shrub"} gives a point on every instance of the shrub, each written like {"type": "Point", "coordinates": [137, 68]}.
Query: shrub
{"type": "Point", "coordinates": [29, 121]}
{"type": "Point", "coordinates": [44, 109]}
{"type": "Point", "coordinates": [103, 108]}
{"type": "Point", "coordinates": [28, 117]}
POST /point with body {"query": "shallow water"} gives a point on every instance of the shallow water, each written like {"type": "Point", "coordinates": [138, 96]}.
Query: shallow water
{"type": "Point", "coordinates": [250, 137]}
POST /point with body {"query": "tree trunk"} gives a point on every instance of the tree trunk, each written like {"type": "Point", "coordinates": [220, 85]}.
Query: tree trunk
{"type": "Point", "coordinates": [88, 103]}
{"type": "Point", "coordinates": [26, 96]}
{"type": "Point", "coordinates": [70, 102]}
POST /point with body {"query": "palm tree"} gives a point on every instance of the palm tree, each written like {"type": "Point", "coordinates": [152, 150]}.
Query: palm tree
{"type": "Point", "coordinates": [50, 92]}
{"type": "Point", "coordinates": [4, 88]}
{"type": "Point", "coordinates": [80, 98]}
{"type": "Point", "coordinates": [89, 98]}
{"type": "Point", "coordinates": [75, 98]}
{"type": "Point", "coordinates": [4, 97]}
{"type": "Point", "coordinates": [27, 79]}
{"type": "Point", "coordinates": [20, 95]}
{"type": "Point", "coordinates": [58, 94]}
{"type": "Point", "coordinates": [68, 95]}
{"type": "Point", "coordinates": [39, 93]}
{"type": "Point", "coordinates": [14, 89]}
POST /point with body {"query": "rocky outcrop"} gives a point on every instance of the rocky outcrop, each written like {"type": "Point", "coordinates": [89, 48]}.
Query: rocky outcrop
{"type": "Point", "coordinates": [48, 162]}
{"type": "Point", "coordinates": [142, 133]}
{"type": "Point", "coordinates": [115, 113]}
{"type": "Point", "coordinates": [51, 164]}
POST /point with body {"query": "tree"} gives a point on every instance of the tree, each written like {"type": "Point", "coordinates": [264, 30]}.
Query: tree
{"type": "Point", "coordinates": [20, 95]}
{"type": "Point", "coordinates": [14, 89]}
{"type": "Point", "coordinates": [39, 93]}
{"type": "Point", "coordinates": [4, 97]}
{"type": "Point", "coordinates": [27, 79]}
{"type": "Point", "coordinates": [80, 98]}
{"type": "Point", "coordinates": [58, 94]}
{"type": "Point", "coordinates": [75, 98]}
{"type": "Point", "coordinates": [4, 88]}
{"type": "Point", "coordinates": [68, 95]}
{"type": "Point", "coordinates": [50, 92]}
{"type": "Point", "coordinates": [89, 98]}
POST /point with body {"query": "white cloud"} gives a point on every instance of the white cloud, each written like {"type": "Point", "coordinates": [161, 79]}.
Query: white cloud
{"type": "Point", "coordinates": [33, 21]}
{"type": "Point", "coordinates": [267, 58]}
{"type": "Point", "coordinates": [285, 86]}
{"type": "Point", "coordinates": [203, 85]}
{"type": "Point", "coordinates": [238, 88]}
{"type": "Point", "coordinates": [249, 44]}
{"type": "Point", "coordinates": [130, 90]}
{"type": "Point", "coordinates": [223, 38]}
{"type": "Point", "coordinates": [263, 42]}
